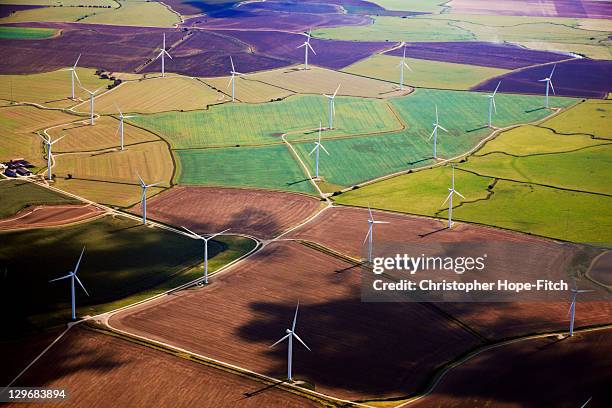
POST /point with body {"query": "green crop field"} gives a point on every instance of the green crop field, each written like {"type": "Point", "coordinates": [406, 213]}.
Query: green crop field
{"type": "Point", "coordinates": [591, 117]}
{"type": "Point", "coordinates": [466, 112]}
{"type": "Point", "coordinates": [122, 259]}
{"type": "Point", "coordinates": [105, 192]}
{"type": "Point", "coordinates": [18, 194]}
{"type": "Point", "coordinates": [272, 167]}
{"type": "Point", "coordinates": [25, 33]}
{"type": "Point", "coordinates": [246, 124]}
{"type": "Point", "coordinates": [524, 158]}
{"type": "Point", "coordinates": [426, 74]}
{"type": "Point", "coordinates": [424, 6]}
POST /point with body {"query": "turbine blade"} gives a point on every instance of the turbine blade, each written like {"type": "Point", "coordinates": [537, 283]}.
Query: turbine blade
{"type": "Point", "coordinates": [232, 62]}
{"type": "Point", "coordinates": [295, 316]}
{"type": "Point", "coordinates": [63, 277]}
{"type": "Point", "coordinates": [311, 49]}
{"type": "Point", "coordinates": [445, 201]}
{"type": "Point", "coordinates": [79, 281]}
{"type": "Point", "coordinates": [337, 89]}
{"type": "Point", "coordinates": [324, 149]}
{"type": "Point", "coordinates": [543, 80]}
{"type": "Point", "coordinates": [218, 233]}
{"type": "Point", "coordinates": [301, 341]}
{"type": "Point", "coordinates": [142, 183]}
{"type": "Point", "coordinates": [494, 106]}
{"type": "Point", "coordinates": [303, 45]}
{"type": "Point", "coordinates": [230, 81]}
{"type": "Point", "coordinates": [381, 222]}
{"type": "Point", "coordinates": [160, 54]}
{"type": "Point", "coordinates": [496, 88]}
{"type": "Point", "coordinates": [153, 184]}
{"type": "Point", "coordinates": [117, 106]}
{"type": "Point", "coordinates": [367, 235]}
{"type": "Point", "coordinates": [169, 56]}
{"type": "Point", "coordinates": [76, 268]}
{"type": "Point", "coordinates": [444, 129]}
{"type": "Point", "coordinates": [408, 66]}
{"type": "Point", "coordinates": [432, 133]}
{"type": "Point", "coordinates": [553, 71]}
{"type": "Point", "coordinates": [459, 194]}
{"type": "Point", "coordinates": [77, 61]}
{"type": "Point", "coordinates": [193, 234]}
{"type": "Point", "coordinates": [76, 76]}
{"type": "Point", "coordinates": [437, 115]}
{"type": "Point", "coordinates": [585, 290]}
{"type": "Point", "coordinates": [571, 305]}
{"type": "Point", "coordinates": [552, 87]}
{"type": "Point", "coordinates": [281, 340]}
{"type": "Point", "coordinates": [370, 212]}
{"type": "Point", "coordinates": [313, 150]}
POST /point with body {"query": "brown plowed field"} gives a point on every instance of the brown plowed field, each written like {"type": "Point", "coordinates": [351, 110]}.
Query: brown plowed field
{"type": "Point", "coordinates": [259, 213]}
{"type": "Point", "coordinates": [42, 216]}
{"type": "Point", "coordinates": [343, 230]}
{"type": "Point", "coordinates": [545, 372]}
{"type": "Point", "coordinates": [100, 371]}
{"type": "Point", "coordinates": [359, 350]}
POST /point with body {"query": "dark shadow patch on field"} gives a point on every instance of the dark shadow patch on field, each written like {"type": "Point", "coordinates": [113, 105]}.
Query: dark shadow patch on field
{"type": "Point", "coordinates": [349, 337]}
{"type": "Point", "coordinates": [535, 109]}
{"type": "Point", "coordinates": [250, 394]}
{"type": "Point", "coordinates": [477, 129]}
{"type": "Point", "coordinates": [433, 232]}
{"type": "Point", "coordinates": [298, 182]}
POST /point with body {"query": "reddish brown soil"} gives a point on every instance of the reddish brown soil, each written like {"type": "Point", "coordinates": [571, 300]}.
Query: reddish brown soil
{"type": "Point", "coordinates": [545, 372]}
{"type": "Point", "coordinates": [359, 350]}
{"type": "Point", "coordinates": [99, 370]}
{"type": "Point", "coordinates": [17, 354]}
{"type": "Point", "coordinates": [42, 216]}
{"type": "Point", "coordinates": [259, 213]}
{"type": "Point", "coordinates": [602, 269]}
{"type": "Point", "coordinates": [343, 229]}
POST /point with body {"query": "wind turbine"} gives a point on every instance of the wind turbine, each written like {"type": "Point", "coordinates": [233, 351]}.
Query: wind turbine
{"type": "Point", "coordinates": [307, 45]}
{"type": "Point", "coordinates": [290, 335]}
{"type": "Point", "coordinates": [332, 107]}
{"type": "Point", "coordinates": [49, 143]}
{"type": "Point", "coordinates": [73, 74]}
{"type": "Point", "coordinates": [549, 83]}
{"type": "Point", "coordinates": [401, 66]}
{"type": "Point", "coordinates": [162, 54]}
{"type": "Point", "coordinates": [91, 103]}
{"type": "Point", "coordinates": [316, 149]}
{"type": "Point", "coordinates": [121, 118]}
{"type": "Point", "coordinates": [73, 276]}
{"type": "Point", "coordinates": [143, 199]}
{"type": "Point", "coordinates": [197, 236]}
{"type": "Point", "coordinates": [434, 134]}
{"type": "Point", "coordinates": [232, 80]}
{"type": "Point", "coordinates": [572, 310]}
{"type": "Point", "coordinates": [369, 235]}
{"type": "Point", "coordinates": [492, 103]}
{"type": "Point", "coordinates": [449, 198]}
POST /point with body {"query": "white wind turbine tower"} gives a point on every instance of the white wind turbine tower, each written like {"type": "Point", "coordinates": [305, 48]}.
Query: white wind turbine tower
{"type": "Point", "coordinates": [232, 80]}
{"type": "Point", "coordinates": [307, 46]}
{"type": "Point", "coordinates": [162, 54]}
{"type": "Point", "coordinates": [73, 276]}
{"type": "Point", "coordinates": [290, 335]}
{"type": "Point", "coordinates": [91, 103]}
{"type": "Point", "coordinates": [434, 134]}
{"type": "Point", "coordinates": [121, 118]}
{"type": "Point", "coordinates": [73, 74]}
{"type": "Point", "coordinates": [549, 84]}
{"type": "Point", "coordinates": [205, 239]}
{"type": "Point", "coordinates": [50, 143]}
{"type": "Point", "coordinates": [572, 310]}
{"type": "Point", "coordinates": [332, 107]}
{"type": "Point", "coordinates": [401, 66]}
{"type": "Point", "coordinates": [449, 198]}
{"type": "Point", "coordinates": [492, 104]}
{"type": "Point", "coordinates": [369, 236]}
{"type": "Point", "coordinates": [143, 199]}
{"type": "Point", "coordinates": [316, 149]}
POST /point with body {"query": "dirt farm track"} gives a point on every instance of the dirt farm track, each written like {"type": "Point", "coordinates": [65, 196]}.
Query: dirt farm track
{"type": "Point", "coordinates": [92, 365]}
{"type": "Point", "coordinates": [49, 216]}
{"type": "Point", "coordinates": [263, 214]}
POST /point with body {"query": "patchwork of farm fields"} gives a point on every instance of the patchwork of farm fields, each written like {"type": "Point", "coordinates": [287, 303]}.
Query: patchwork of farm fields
{"type": "Point", "coordinates": [106, 192]}
{"type": "Point", "coordinates": [503, 181]}
{"type": "Point", "coordinates": [245, 124]}
{"type": "Point", "coordinates": [18, 195]}
{"type": "Point", "coordinates": [122, 259]}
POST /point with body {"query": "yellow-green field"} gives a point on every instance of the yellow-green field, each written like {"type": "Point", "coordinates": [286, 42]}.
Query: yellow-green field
{"type": "Point", "coordinates": [425, 74]}
{"type": "Point", "coordinates": [246, 90]}
{"type": "Point", "coordinates": [81, 137]}
{"type": "Point", "coordinates": [157, 95]}
{"type": "Point", "coordinates": [18, 124]}
{"type": "Point", "coordinates": [108, 193]}
{"type": "Point", "coordinates": [50, 88]}
{"type": "Point", "coordinates": [151, 160]}
{"type": "Point", "coordinates": [317, 80]}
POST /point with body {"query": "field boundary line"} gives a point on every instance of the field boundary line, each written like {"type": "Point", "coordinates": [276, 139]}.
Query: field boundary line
{"type": "Point", "coordinates": [593, 263]}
